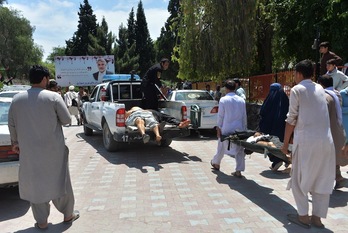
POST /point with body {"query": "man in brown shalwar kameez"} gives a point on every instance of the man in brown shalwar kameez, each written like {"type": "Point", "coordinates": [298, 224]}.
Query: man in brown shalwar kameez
{"type": "Point", "coordinates": [35, 123]}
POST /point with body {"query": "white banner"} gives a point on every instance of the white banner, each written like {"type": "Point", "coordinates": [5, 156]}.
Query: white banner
{"type": "Point", "coordinates": [83, 70]}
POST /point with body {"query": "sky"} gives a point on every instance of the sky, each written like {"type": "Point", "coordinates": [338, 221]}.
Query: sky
{"type": "Point", "coordinates": [55, 21]}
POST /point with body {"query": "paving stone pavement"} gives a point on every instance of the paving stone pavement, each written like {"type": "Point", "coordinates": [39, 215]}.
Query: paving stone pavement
{"type": "Point", "coordinates": [146, 188]}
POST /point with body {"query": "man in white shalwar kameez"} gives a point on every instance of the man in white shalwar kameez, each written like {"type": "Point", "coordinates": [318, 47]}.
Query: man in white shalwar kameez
{"type": "Point", "coordinates": [313, 151]}
{"type": "Point", "coordinates": [35, 124]}
{"type": "Point", "coordinates": [231, 118]}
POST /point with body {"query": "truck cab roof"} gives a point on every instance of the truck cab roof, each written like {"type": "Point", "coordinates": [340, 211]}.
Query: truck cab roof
{"type": "Point", "coordinates": [121, 77]}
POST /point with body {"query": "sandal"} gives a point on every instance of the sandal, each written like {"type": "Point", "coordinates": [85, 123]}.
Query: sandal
{"type": "Point", "coordinates": [75, 216]}
{"type": "Point", "coordinates": [294, 219]}
{"type": "Point", "coordinates": [215, 166]}
{"type": "Point", "coordinates": [36, 225]}
{"type": "Point", "coordinates": [237, 174]}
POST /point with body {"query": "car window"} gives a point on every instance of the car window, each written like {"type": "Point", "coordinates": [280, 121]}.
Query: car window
{"type": "Point", "coordinates": [8, 94]}
{"type": "Point", "coordinates": [193, 96]}
{"type": "Point", "coordinates": [136, 89]}
{"type": "Point", "coordinates": [115, 92]}
{"type": "Point", "coordinates": [125, 92]}
{"type": "Point", "coordinates": [4, 106]}
{"type": "Point", "coordinates": [94, 93]}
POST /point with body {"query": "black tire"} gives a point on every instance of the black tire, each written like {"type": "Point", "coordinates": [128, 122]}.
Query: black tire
{"type": "Point", "coordinates": [166, 142]}
{"type": "Point", "coordinates": [109, 143]}
{"type": "Point", "coordinates": [87, 131]}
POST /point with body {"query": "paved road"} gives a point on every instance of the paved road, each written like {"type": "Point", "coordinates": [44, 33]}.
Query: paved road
{"type": "Point", "coordinates": [146, 188]}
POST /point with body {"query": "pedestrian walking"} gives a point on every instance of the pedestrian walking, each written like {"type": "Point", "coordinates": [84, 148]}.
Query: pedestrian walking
{"type": "Point", "coordinates": [71, 101]}
{"type": "Point", "coordinates": [313, 152]}
{"type": "Point", "coordinates": [231, 118]}
{"type": "Point", "coordinates": [273, 114]}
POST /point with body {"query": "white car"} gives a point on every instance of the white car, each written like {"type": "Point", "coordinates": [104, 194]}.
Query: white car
{"type": "Point", "coordinates": [10, 91]}
{"type": "Point", "coordinates": [207, 106]}
{"type": "Point", "coordinates": [9, 160]}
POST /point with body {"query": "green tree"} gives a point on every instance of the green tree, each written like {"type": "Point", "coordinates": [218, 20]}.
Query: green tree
{"type": "Point", "coordinates": [298, 22]}
{"type": "Point", "coordinates": [265, 32]}
{"type": "Point", "coordinates": [167, 40]}
{"type": "Point", "coordinates": [131, 32]}
{"type": "Point", "coordinates": [144, 44]}
{"type": "Point", "coordinates": [18, 51]}
{"type": "Point", "coordinates": [56, 51]}
{"type": "Point", "coordinates": [126, 61]}
{"type": "Point", "coordinates": [217, 38]}
{"type": "Point", "coordinates": [83, 41]}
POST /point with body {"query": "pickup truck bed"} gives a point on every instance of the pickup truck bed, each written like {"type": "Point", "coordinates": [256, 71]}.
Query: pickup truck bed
{"type": "Point", "coordinates": [105, 111]}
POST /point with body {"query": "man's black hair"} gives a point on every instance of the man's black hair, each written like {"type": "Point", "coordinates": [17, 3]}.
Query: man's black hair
{"type": "Point", "coordinates": [163, 60]}
{"type": "Point", "coordinates": [37, 73]}
{"type": "Point", "coordinates": [52, 84]}
{"type": "Point", "coordinates": [236, 80]}
{"type": "Point", "coordinates": [230, 85]}
{"type": "Point", "coordinates": [331, 62]}
{"type": "Point", "coordinates": [306, 68]}
{"type": "Point", "coordinates": [325, 80]}
{"type": "Point", "coordinates": [325, 44]}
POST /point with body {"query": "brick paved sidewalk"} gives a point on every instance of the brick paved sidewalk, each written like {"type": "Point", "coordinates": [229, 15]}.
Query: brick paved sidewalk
{"type": "Point", "coordinates": [145, 188]}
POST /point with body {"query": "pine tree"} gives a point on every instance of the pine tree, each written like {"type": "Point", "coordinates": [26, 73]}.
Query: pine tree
{"type": "Point", "coordinates": [144, 44]}
{"type": "Point", "coordinates": [131, 29]}
{"type": "Point", "coordinates": [83, 41]}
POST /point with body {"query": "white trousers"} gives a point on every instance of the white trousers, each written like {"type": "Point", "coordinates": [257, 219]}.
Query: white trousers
{"type": "Point", "coordinates": [320, 202]}
{"type": "Point", "coordinates": [236, 151]}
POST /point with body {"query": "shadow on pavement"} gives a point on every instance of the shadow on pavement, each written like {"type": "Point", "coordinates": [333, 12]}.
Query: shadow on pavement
{"type": "Point", "coordinates": [263, 198]}
{"type": "Point", "coordinates": [138, 155]}
{"type": "Point", "coordinates": [199, 135]}
{"type": "Point", "coordinates": [11, 206]}
{"type": "Point", "coordinates": [338, 197]}
{"type": "Point", "coordinates": [52, 228]}
{"type": "Point", "coordinates": [274, 175]}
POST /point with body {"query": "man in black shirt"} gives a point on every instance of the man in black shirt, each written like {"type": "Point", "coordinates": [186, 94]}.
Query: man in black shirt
{"type": "Point", "coordinates": [152, 78]}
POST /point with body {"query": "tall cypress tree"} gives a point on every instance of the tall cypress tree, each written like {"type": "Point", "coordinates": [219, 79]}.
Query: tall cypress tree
{"type": "Point", "coordinates": [131, 29]}
{"type": "Point", "coordinates": [83, 38]}
{"type": "Point", "coordinates": [144, 44]}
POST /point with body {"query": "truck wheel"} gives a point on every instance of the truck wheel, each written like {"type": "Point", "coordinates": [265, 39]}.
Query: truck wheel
{"type": "Point", "coordinates": [87, 131]}
{"type": "Point", "coordinates": [109, 143]}
{"type": "Point", "coordinates": [166, 142]}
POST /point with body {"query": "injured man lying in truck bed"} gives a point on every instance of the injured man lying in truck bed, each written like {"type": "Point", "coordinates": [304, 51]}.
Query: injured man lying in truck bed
{"type": "Point", "coordinates": [142, 118]}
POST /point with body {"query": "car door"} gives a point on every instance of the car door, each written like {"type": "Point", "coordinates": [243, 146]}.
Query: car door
{"type": "Point", "coordinates": [94, 107]}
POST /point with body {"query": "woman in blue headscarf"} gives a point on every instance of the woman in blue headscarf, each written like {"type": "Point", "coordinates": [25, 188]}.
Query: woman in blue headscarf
{"type": "Point", "coordinates": [273, 114]}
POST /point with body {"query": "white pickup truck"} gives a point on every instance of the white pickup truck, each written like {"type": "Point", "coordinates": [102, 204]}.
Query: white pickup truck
{"type": "Point", "coordinates": [105, 111]}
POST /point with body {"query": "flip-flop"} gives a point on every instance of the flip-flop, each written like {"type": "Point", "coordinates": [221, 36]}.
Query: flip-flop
{"type": "Point", "coordinates": [294, 219]}
{"type": "Point", "coordinates": [76, 215]}
{"type": "Point", "coordinates": [215, 166]}
{"type": "Point", "coordinates": [36, 225]}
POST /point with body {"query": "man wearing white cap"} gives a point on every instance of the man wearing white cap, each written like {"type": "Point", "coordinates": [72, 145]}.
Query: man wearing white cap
{"type": "Point", "coordinates": [70, 99]}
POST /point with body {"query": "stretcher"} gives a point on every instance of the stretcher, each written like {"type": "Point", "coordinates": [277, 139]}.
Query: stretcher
{"type": "Point", "coordinates": [240, 138]}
